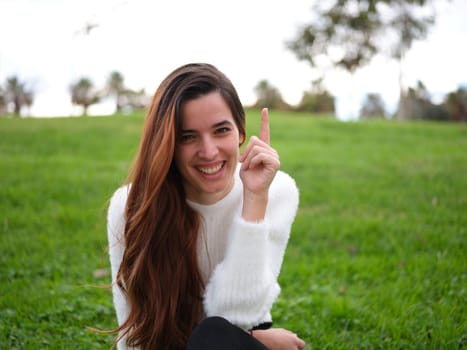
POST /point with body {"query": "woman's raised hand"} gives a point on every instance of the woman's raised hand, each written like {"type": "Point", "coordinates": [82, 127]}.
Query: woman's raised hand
{"type": "Point", "coordinates": [260, 163]}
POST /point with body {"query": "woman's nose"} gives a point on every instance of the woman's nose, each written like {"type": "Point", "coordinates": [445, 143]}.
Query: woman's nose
{"type": "Point", "coordinates": [208, 149]}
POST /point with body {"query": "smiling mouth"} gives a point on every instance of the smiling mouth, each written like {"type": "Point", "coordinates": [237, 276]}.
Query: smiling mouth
{"type": "Point", "coordinates": [211, 170]}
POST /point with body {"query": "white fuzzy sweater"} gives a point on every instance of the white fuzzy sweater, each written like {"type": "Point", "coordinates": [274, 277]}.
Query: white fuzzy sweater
{"type": "Point", "coordinates": [240, 261]}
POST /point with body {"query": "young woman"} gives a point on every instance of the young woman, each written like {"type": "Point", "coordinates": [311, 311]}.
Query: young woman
{"type": "Point", "coordinates": [198, 234]}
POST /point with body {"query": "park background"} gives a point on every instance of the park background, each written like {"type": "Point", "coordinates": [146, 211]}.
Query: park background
{"type": "Point", "coordinates": [50, 44]}
{"type": "Point", "coordinates": [376, 258]}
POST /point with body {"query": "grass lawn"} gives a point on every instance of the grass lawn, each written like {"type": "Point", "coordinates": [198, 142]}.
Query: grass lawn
{"type": "Point", "coordinates": [377, 258]}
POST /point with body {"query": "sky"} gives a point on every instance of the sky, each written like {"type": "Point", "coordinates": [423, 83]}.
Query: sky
{"type": "Point", "coordinates": [44, 43]}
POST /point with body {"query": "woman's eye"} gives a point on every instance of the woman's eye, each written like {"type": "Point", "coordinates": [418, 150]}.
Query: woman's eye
{"type": "Point", "coordinates": [187, 137]}
{"type": "Point", "coordinates": [222, 130]}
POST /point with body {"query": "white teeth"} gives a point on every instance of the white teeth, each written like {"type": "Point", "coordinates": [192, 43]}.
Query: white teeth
{"type": "Point", "coordinates": [212, 170]}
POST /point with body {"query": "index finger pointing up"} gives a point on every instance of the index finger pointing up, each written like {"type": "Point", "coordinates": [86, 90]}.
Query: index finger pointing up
{"type": "Point", "coordinates": [264, 131]}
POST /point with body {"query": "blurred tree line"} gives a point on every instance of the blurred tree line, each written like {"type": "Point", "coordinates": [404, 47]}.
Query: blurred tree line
{"type": "Point", "coordinates": [418, 105]}
{"type": "Point", "coordinates": [17, 96]}
{"type": "Point", "coordinates": [84, 93]}
{"type": "Point", "coordinates": [316, 100]}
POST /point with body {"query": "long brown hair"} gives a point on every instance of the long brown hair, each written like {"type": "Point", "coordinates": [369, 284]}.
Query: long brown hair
{"type": "Point", "coordinates": [159, 273]}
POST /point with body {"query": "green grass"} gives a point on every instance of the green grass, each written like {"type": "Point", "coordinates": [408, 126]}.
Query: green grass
{"type": "Point", "coordinates": [377, 257]}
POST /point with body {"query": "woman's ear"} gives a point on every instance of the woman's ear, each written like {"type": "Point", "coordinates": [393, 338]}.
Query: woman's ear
{"type": "Point", "coordinates": [242, 139]}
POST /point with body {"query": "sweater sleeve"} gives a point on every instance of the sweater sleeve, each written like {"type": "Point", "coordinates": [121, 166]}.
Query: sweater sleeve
{"type": "Point", "coordinates": [243, 287]}
{"type": "Point", "coordinates": [115, 230]}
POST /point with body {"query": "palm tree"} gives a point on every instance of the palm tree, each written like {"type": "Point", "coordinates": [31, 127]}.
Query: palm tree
{"type": "Point", "coordinates": [84, 94]}
{"type": "Point", "coordinates": [18, 94]}
{"type": "Point", "coordinates": [116, 88]}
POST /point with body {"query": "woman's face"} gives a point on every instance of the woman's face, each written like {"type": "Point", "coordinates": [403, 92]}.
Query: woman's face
{"type": "Point", "coordinates": [207, 152]}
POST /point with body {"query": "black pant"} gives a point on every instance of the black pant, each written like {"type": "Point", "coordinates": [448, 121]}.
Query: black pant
{"type": "Point", "coordinates": [216, 333]}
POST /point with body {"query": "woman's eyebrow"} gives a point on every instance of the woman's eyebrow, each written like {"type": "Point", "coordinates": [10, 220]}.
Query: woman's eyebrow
{"type": "Point", "coordinates": [222, 123]}
{"type": "Point", "coordinates": [216, 125]}
{"type": "Point", "coordinates": [187, 131]}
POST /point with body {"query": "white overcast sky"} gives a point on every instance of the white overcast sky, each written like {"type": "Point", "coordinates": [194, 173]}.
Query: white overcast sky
{"type": "Point", "coordinates": [42, 41]}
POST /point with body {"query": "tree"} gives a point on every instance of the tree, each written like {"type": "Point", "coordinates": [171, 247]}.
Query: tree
{"type": "Point", "coordinates": [317, 99]}
{"type": "Point", "coordinates": [17, 95]}
{"type": "Point", "coordinates": [373, 107]}
{"type": "Point", "coordinates": [84, 94]}
{"type": "Point", "coordinates": [417, 105]}
{"type": "Point", "coordinates": [456, 104]}
{"type": "Point", "coordinates": [132, 99]}
{"type": "Point", "coordinates": [116, 88]}
{"type": "Point", "coordinates": [349, 33]}
{"type": "Point", "coordinates": [269, 96]}
{"type": "Point", "coordinates": [2, 102]}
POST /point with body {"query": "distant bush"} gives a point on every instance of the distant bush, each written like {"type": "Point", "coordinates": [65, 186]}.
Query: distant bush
{"type": "Point", "coordinates": [269, 96]}
{"type": "Point", "coordinates": [456, 104]}
{"type": "Point", "coordinates": [317, 102]}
